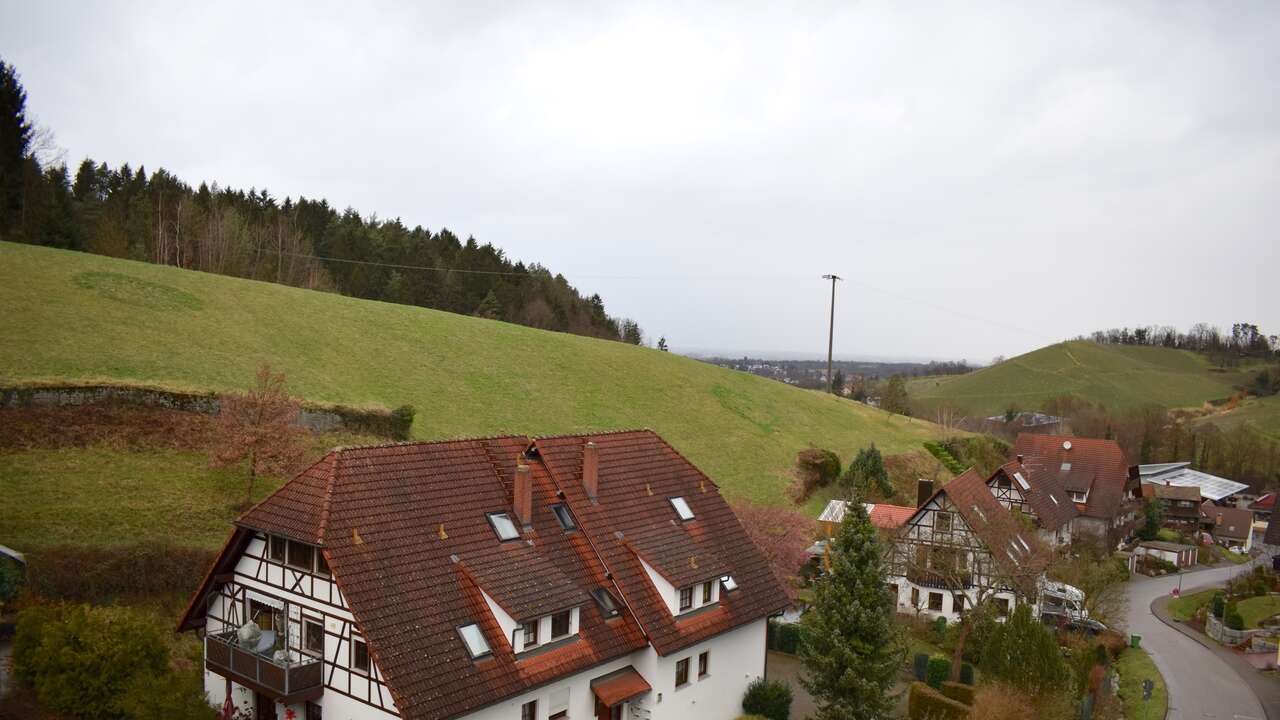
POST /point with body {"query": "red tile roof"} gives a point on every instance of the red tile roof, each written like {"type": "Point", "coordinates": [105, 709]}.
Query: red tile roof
{"type": "Point", "coordinates": [639, 473]}
{"type": "Point", "coordinates": [402, 525]}
{"type": "Point", "coordinates": [620, 686]}
{"type": "Point", "coordinates": [1098, 466]}
{"type": "Point", "coordinates": [1228, 522]}
{"type": "Point", "coordinates": [889, 517]}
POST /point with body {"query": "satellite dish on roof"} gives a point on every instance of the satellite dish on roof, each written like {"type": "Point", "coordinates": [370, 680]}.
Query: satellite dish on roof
{"type": "Point", "coordinates": [1066, 444]}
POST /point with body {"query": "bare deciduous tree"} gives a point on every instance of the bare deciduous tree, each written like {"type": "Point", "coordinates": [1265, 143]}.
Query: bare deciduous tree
{"type": "Point", "coordinates": [782, 536]}
{"type": "Point", "coordinates": [258, 426]}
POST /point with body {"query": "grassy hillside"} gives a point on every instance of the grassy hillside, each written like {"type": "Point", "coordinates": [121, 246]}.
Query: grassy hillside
{"type": "Point", "coordinates": [72, 316]}
{"type": "Point", "coordinates": [1117, 376]}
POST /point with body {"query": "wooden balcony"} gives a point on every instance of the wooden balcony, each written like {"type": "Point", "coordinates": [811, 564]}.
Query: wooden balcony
{"type": "Point", "coordinates": [950, 581]}
{"type": "Point", "coordinates": [283, 682]}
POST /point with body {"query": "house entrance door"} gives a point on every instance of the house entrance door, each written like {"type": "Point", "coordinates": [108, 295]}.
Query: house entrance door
{"type": "Point", "coordinates": [264, 707]}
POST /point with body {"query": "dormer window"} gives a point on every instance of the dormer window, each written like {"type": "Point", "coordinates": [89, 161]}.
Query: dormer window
{"type": "Point", "coordinates": [297, 555]}
{"type": "Point", "coordinates": [706, 592]}
{"type": "Point", "coordinates": [530, 632]}
{"type": "Point", "coordinates": [473, 639]}
{"type": "Point", "coordinates": [686, 598]}
{"type": "Point", "coordinates": [564, 517]}
{"type": "Point", "coordinates": [682, 508]}
{"type": "Point", "coordinates": [503, 526]}
{"type": "Point", "coordinates": [608, 605]}
{"type": "Point", "coordinates": [560, 624]}
{"type": "Point", "coordinates": [728, 583]}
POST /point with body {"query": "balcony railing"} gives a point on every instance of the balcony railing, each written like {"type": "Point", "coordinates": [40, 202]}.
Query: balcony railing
{"type": "Point", "coordinates": [285, 682]}
{"type": "Point", "coordinates": [927, 578]}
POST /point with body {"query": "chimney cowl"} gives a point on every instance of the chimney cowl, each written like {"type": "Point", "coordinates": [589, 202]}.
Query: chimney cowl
{"type": "Point", "coordinates": [591, 470]}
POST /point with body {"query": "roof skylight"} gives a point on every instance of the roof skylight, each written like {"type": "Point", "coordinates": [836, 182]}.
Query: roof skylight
{"type": "Point", "coordinates": [682, 508]}
{"type": "Point", "coordinates": [1022, 482]}
{"type": "Point", "coordinates": [1054, 499]}
{"type": "Point", "coordinates": [728, 583]}
{"type": "Point", "coordinates": [503, 526]}
{"type": "Point", "coordinates": [604, 598]}
{"type": "Point", "coordinates": [980, 513]}
{"type": "Point", "coordinates": [564, 517]}
{"type": "Point", "coordinates": [1066, 467]}
{"type": "Point", "coordinates": [477, 646]}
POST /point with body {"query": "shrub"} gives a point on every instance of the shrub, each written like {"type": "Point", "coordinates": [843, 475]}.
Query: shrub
{"type": "Point", "coordinates": [958, 692]}
{"type": "Point", "coordinates": [1219, 604]}
{"type": "Point", "coordinates": [403, 421]}
{"type": "Point", "coordinates": [81, 660]}
{"type": "Point", "coordinates": [1232, 618]}
{"type": "Point", "coordinates": [99, 575]}
{"type": "Point", "coordinates": [166, 696]}
{"type": "Point", "coordinates": [11, 579]}
{"type": "Point", "coordinates": [767, 698]}
{"type": "Point", "coordinates": [938, 671]}
{"type": "Point", "coordinates": [938, 631]}
{"type": "Point", "coordinates": [925, 703]}
{"type": "Point", "coordinates": [784, 637]}
{"type": "Point", "coordinates": [920, 664]}
{"type": "Point", "coordinates": [966, 673]}
{"type": "Point", "coordinates": [1001, 702]}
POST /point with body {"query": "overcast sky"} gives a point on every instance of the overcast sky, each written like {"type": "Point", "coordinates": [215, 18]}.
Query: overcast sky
{"type": "Point", "coordinates": [988, 177]}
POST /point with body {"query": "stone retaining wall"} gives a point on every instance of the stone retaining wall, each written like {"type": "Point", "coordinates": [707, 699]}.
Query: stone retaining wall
{"type": "Point", "coordinates": [1214, 628]}
{"type": "Point", "coordinates": [320, 418]}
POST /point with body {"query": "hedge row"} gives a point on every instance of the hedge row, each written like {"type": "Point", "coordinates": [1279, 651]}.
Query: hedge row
{"type": "Point", "coordinates": [783, 637]}
{"type": "Point", "coordinates": [945, 457]}
{"type": "Point", "coordinates": [925, 703]}
{"type": "Point", "coordinates": [100, 575]}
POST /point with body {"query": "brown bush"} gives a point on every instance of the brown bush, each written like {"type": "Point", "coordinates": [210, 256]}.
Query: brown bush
{"type": "Point", "coordinates": [1001, 702]}
{"type": "Point", "coordinates": [102, 575]}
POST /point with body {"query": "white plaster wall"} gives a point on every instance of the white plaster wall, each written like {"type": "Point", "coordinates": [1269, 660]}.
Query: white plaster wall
{"type": "Point", "coordinates": [737, 658]}
{"type": "Point", "coordinates": [581, 700]}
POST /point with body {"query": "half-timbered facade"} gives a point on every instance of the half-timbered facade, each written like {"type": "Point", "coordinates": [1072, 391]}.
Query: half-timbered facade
{"type": "Point", "coordinates": [1044, 503]}
{"type": "Point", "coordinates": [540, 579]}
{"type": "Point", "coordinates": [961, 548]}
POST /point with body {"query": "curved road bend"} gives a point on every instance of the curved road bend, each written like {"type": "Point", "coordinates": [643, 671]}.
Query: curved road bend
{"type": "Point", "coordinates": [1200, 684]}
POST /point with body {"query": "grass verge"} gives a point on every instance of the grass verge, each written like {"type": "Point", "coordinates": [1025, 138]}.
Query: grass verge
{"type": "Point", "coordinates": [1134, 666]}
{"type": "Point", "coordinates": [1184, 607]}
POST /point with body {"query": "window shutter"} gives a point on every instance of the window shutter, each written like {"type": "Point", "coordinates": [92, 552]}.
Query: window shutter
{"type": "Point", "coordinates": [559, 701]}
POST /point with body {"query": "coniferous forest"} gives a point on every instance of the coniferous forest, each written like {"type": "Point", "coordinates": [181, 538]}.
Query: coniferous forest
{"type": "Point", "coordinates": [157, 217]}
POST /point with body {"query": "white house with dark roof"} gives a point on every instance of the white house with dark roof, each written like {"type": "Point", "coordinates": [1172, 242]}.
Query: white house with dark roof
{"type": "Point", "coordinates": [573, 577]}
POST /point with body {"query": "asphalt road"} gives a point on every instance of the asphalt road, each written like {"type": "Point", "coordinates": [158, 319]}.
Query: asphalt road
{"type": "Point", "coordinates": [1200, 684]}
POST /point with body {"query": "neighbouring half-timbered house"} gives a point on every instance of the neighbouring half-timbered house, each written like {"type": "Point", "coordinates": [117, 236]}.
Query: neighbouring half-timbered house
{"type": "Point", "coordinates": [961, 547]}
{"type": "Point", "coordinates": [1043, 502]}
{"type": "Point", "coordinates": [533, 579]}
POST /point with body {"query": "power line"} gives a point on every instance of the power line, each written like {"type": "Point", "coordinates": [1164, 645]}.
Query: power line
{"type": "Point", "coordinates": [400, 266]}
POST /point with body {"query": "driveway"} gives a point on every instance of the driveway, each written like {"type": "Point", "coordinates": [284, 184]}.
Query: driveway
{"type": "Point", "coordinates": [1201, 685]}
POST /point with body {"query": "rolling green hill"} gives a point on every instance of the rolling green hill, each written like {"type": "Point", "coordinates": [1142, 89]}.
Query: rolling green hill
{"type": "Point", "coordinates": [78, 317]}
{"type": "Point", "coordinates": [1116, 376]}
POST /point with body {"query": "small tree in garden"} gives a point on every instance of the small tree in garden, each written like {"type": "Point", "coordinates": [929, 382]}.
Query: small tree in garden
{"type": "Point", "coordinates": [258, 426]}
{"type": "Point", "coordinates": [1153, 519]}
{"type": "Point", "coordinates": [768, 699]}
{"type": "Point", "coordinates": [1024, 653]}
{"type": "Point", "coordinates": [866, 472]}
{"type": "Point", "coordinates": [850, 646]}
{"type": "Point", "coordinates": [781, 535]}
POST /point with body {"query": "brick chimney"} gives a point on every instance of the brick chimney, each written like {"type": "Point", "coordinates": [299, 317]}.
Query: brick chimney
{"type": "Point", "coordinates": [591, 470]}
{"type": "Point", "coordinates": [1019, 459]}
{"type": "Point", "coordinates": [924, 490]}
{"type": "Point", "coordinates": [522, 492]}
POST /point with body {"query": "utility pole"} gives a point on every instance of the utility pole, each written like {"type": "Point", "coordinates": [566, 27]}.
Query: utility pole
{"type": "Point", "coordinates": [831, 330]}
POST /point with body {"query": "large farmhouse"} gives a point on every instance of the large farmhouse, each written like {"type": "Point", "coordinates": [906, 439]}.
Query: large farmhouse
{"type": "Point", "coordinates": [567, 577]}
{"type": "Point", "coordinates": [1095, 476]}
{"type": "Point", "coordinates": [1043, 501]}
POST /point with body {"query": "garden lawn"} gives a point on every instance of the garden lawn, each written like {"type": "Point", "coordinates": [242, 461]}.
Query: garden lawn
{"type": "Point", "coordinates": [1231, 557]}
{"type": "Point", "coordinates": [1134, 666]}
{"type": "Point", "coordinates": [1184, 607]}
{"type": "Point", "coordinates": [105, 497]}
{"type": "Point", "coordinates": [80, 318]}
{"type": "Point", "coordinates": [1256, 609]}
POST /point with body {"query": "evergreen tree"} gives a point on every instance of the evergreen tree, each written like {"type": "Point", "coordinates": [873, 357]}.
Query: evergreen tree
{"type": "Point", "coordinates": [865, 472]}
{"type": "Point", "coordinates": [1154, 518]}
{"type": "Point", "coordinates": [490, 307]}
{"type": "Point", "coordinates": [850, 646]}
{"type": "Point", "coordinates": [1024, 653]}
{"type": "Point", "coordinates": [837, 382]}
{"type": "Point", "coordinates": [15, 143]}
{"type": "Point", "coordinates": [662, 343]}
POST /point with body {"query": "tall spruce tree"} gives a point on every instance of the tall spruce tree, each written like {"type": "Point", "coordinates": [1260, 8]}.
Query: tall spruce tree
{"type": "Point", "coordinates": [15, 142]}
{"type": "Point", "coordinates": [851, 649]}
